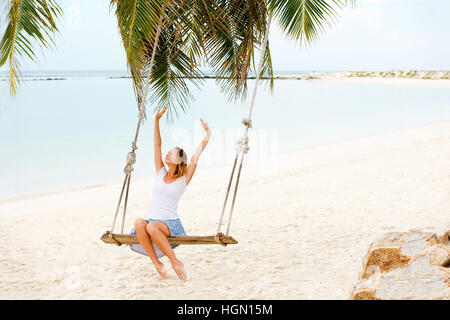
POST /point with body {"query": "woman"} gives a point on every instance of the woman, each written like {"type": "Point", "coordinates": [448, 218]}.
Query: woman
{"type": "Point", "coordinates": [162, 219]}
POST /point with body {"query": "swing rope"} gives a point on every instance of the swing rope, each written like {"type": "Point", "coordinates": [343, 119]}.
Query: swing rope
{"type": "Point", "coordinates": [242, 144]}
{"type": "Point", "coordinates": [131, 156]}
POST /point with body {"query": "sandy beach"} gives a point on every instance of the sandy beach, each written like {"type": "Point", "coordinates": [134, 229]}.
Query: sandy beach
{"type": "Point", "coordinates": [303, 225]}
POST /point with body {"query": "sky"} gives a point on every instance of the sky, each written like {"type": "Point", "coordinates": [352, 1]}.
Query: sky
{"type": "Point", "coordinates": [374, 35]}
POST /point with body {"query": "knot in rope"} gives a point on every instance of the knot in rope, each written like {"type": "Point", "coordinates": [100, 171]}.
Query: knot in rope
{"type": "Point", "coordinates": [242, 144]}
{"type": "Point", "coordinates": [131, 160]}
{"type": "Point", "coordinates": [134, 146]}
{"type": "Point", "coordinates": [141, 113]}
{"type": "Point", "coordinates": [247, 122]}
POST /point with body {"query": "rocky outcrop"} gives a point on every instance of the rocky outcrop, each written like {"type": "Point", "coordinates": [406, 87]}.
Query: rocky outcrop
{"type": "Point", "coordinates": [313, 76]}
{"type": "Point", "coordinates": [408, 74]}
{"type": "Point", "coordinates": [409, 265]}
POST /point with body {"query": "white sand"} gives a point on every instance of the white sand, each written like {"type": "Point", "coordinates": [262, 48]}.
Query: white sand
{"type": "Point", "coordinates": [302, 230]}
{"type": "Point", "coordinates": [389, 81]}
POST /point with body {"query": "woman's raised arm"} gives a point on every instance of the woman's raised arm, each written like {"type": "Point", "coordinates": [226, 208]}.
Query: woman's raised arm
{"type": "Point", "coordinates": [194, 159]}
{"type": "Point", "coordinates": [157, 142]}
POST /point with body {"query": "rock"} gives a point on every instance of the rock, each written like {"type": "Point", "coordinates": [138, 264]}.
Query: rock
{"type": "Point", "coordinates": [314, 76]}
{"type": "Point", "coordinates": [408, 265]}
{"type": "Point", "coordinates": [411, 74]}
{"type": "Point", "coordinates": [338, 75]}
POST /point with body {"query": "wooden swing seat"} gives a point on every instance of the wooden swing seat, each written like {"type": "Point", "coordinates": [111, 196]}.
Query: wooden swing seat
{"type": "Point", "coordinates": [119, 239]}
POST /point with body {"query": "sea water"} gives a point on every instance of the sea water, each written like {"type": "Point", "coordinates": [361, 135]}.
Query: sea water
{"type": "Point", "coordinates": [76, 132]}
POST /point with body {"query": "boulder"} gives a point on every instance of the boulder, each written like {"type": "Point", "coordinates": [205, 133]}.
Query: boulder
{"type": "Point", "coordinates": [407, 265]}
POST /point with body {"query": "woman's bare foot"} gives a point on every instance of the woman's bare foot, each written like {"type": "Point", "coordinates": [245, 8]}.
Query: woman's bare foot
{"type": "Point", "coordinates": [178, 266]}
{"type": "Point", "coordinates": [161, 270]}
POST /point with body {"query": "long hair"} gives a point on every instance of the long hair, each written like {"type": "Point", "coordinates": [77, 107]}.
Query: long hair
{"type": "Point", "coordinates": [181, 167]}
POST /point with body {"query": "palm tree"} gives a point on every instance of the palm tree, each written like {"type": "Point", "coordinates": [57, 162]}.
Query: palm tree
{"type": "Point", "coordinates": [182, 36]}
{"type": "Point", "coordinates": [167, 42]}
{"type": "Point", "coordinates": [26, 21]}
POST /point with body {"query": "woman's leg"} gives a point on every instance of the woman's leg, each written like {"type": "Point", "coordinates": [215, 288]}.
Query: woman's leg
{"type": "Point", "coordinates": [146, 242]}
{"type": "Point", "coordinates": [159, 232]}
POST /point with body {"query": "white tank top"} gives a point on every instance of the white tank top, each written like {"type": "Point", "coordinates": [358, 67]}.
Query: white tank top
{"type": "Point", "coordinates": [165, 196]}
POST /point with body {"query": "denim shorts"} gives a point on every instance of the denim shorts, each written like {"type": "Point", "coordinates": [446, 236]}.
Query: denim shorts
{"type": "Point", "coordinates": [175, 228]}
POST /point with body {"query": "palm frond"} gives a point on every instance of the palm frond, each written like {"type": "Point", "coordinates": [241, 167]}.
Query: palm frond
{"type": "Point", "coordinates": [304, 20]}
{"type": "Point", "coordinates": [27, 21]}
{"type": "Point", "coordinates": [234, 52]}
{"type": "Point", "coordinates": [181, 46]}
{"type": "Point", "coordinates": [267, 69]}
{"type": "Point", "coordinates": [172, 69]}
{"type": "Point", "coordinates": [138, 22]}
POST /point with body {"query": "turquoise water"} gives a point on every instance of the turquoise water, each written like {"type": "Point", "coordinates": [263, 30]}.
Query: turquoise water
{"type": "Point", "coordinates": [76, 132]}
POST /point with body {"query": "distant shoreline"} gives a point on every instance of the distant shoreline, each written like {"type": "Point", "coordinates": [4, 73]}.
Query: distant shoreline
{"type": "Point", "coordinates": [409, 74]}
{"type": "Point", "coordinates": [281, 75]}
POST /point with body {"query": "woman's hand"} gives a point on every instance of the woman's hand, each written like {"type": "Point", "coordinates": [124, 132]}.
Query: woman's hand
{"type": "Point", "coordinates": [205, 126]}
{"type": "Point", "coordinates": [193, 163]}
{"type": "Point", "coordinates": [160, 113]}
